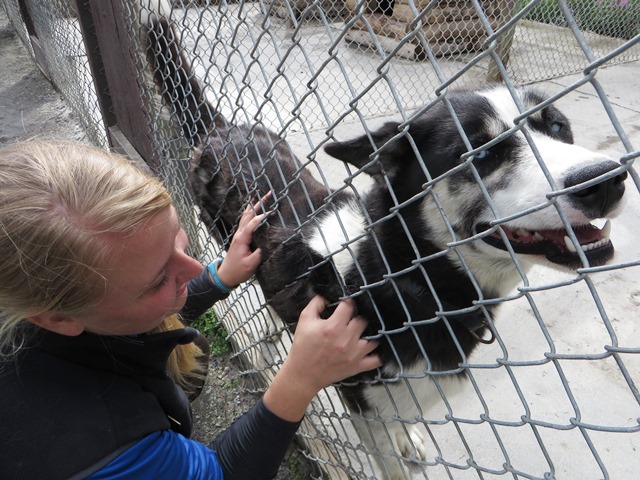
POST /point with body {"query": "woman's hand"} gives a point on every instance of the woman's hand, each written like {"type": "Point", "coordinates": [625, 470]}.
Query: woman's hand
{"type": "Point", "coordinates": [240, 263]}
{"type": "Point", "coordinates": [323, 352]}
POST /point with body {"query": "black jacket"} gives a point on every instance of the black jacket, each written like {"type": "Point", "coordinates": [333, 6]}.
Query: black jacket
{"type": "Point", "coordinates": [69, 405]}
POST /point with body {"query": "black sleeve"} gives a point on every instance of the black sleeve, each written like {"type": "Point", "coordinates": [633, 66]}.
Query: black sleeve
{"type": "Point", "coordinates": [253, 447]}
{"type": "Point", "coordinates": [203, 293]}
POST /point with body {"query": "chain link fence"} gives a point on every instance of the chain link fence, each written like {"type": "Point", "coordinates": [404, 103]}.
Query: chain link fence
{"type": "Point", "coordinates": [556, 396]}
{"type": "Point", "coordinates": [548, 49]}
{"type": "Point", "coordinates": [52, 33]}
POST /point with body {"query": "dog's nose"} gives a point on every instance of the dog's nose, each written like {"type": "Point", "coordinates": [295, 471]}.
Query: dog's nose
{"type": "Point", "coordinates": [599, 199]}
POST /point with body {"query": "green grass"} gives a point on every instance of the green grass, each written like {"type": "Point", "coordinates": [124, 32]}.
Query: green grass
{"type": "Point", "coordinates": [294, 468]}
{"type": "Point", "coordinates": [209, 325]}
{"type": "Point", "coordinates": [613, 18]}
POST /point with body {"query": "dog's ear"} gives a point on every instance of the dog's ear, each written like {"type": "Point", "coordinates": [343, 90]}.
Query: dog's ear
{"type": "Point", "coordinates": [358, 151]}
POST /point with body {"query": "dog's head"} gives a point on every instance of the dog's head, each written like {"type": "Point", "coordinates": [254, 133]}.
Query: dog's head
{"type": "Point", "coordinates": [489, 184]}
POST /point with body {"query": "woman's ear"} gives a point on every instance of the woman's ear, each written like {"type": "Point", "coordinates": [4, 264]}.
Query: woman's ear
{"type": "Point", "coordinates": [58, 324]}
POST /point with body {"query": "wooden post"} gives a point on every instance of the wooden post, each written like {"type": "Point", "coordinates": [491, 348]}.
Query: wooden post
{"type": "Point", "coordinates": [503, 50]}
{"type": "Point", "coordinates": [39, 56]}
{"type": "Point", "coordinates": [109, 48]}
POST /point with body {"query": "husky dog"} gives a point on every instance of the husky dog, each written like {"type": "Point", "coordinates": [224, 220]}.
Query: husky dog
{"type": "Point", "coordinates": [424, 251]}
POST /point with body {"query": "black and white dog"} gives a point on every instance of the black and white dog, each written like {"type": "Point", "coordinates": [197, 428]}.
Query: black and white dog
{"type": "Point", "coordinates": [425, 250]}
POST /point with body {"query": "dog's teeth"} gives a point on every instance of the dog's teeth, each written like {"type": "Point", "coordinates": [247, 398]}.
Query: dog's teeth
{"type": "Point", "coordinates": [606, 229]}
{"type": "Point", "coordinates": [569, 244]}
{"type": "Point", "coordinates": [594, 245]}
{"type": "Point", "coordinates": [521, 232]}
{"type": "Point", "coordinates": [538, 237]}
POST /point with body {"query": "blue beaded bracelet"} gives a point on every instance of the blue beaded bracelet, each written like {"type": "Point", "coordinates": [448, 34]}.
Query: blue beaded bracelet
{"type": "Point", "coordinates": [213, 272]}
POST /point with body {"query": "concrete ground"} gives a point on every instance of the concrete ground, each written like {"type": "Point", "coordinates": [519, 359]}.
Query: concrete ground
{"type": "Point", "coordinates": [29, 105]}
{"type": "Point", "coordinates": [572, 315]}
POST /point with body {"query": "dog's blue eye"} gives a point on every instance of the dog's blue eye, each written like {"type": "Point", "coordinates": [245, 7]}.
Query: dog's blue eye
{"type": "Point", "coordinates": [556, 127]}
{"type": "Point", "coordinates": [481, 154]}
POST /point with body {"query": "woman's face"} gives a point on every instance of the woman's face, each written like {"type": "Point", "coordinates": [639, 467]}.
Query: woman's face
{"type": "Point", "coordinates": [147, 277]}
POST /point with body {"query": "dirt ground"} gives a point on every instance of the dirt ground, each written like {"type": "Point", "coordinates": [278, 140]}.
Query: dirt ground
{"type": "Point", "coordinates": [31, 108]}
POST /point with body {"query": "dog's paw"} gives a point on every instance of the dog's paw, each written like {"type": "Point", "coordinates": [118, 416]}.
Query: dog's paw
{"type": "Point", "coordinates": [412, 443]}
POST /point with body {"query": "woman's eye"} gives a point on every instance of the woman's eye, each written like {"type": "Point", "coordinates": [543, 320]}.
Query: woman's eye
{"type": "Point", "coordinates": [556, 127]}
{"type": "Point", "coordinates": [161, 283]}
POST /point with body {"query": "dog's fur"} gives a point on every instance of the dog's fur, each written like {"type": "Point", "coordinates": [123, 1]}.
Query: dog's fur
{"type": "Point", "coordinates": [424, 251]}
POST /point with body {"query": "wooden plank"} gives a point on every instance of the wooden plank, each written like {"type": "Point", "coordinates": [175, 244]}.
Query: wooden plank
{"type": "Point", "coordinates": [448, 30]}
{"type": "Point", "coordinates": [40, 57]}
{"type": "Point", "coordinates": [26, 18]}
{"type": "Point", "coordinates": [382, 25]}
{"type": "Point", "coordinates": [505, 42]}
{"type": "Point", "coordinates": [404, 12]}
{"type": "Point", "coordinates": [453, 37]}
{"type": "Point", "coordinates": [125, 97]}
{"type": "Point", "coordinates": [464, 30]}
{"type": "Point", "coordinates": [369, 6]}
{"type": "Point", "coordinates": [92, 48]}
{"type": "Point", "coordinates": [408, 50]}
{"type": "Point", "coordinates": [121, 145]}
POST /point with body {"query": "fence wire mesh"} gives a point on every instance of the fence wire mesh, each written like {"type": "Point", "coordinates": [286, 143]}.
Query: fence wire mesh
{"type": "Point", "coordinates": [556, 395]}
{"type": "Point", "coordinates": [13, 11]}
{"type": "Point", "coordinates": [55, 25]}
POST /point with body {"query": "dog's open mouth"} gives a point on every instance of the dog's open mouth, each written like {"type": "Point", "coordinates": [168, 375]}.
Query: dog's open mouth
{"type": "Point", "coordinates": [556, 245]}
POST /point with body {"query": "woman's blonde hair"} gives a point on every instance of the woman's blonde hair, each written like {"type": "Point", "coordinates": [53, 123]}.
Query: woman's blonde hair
{"type": "Point", "coordinates": [57, 199]}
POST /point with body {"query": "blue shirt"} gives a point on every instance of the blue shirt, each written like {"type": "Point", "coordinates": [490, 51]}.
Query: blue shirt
{"type": "Point", "coordinates": [163, 455]}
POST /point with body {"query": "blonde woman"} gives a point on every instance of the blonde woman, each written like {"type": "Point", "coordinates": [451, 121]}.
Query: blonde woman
{"type": "Point", "coordinates": [94, 271]}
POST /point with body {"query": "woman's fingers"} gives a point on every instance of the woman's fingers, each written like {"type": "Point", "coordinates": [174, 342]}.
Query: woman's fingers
{"type": "Point", "coordinates": [251, 219]}
{"type": "Point", "coordinates": [343, 312]}
{"type": "Point", "coordinates": [315, 307]}
{"type": "Point", "coordinates": [259, 206]}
